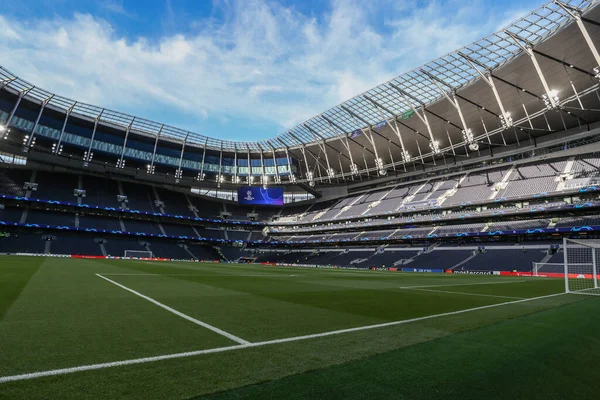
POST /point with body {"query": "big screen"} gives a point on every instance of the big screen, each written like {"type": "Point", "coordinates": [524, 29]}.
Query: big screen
{"type": "Point", "coordinates": [272, 196]}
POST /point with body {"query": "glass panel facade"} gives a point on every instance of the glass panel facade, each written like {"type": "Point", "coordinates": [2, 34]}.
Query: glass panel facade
{"type": "Point", "coordinates": [143, 152]}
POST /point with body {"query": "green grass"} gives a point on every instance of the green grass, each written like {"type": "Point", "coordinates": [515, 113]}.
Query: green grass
{"type": "Point", "coordinates": [56, 313]}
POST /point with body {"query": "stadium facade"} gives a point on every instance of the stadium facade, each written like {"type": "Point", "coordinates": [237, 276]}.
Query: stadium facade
{"type": "Point", "coordinates": [445, 166]}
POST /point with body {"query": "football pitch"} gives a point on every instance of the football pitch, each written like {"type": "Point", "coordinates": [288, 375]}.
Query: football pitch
{"type": "Point", "coordinates": [88, 329]}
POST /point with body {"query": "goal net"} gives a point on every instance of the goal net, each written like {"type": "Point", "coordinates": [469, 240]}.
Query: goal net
{"type": "Point", "coordinates": [138, 254]}
{"type": "Point", "coordinates": [548, 269]}
{"type": "Point", "coordinates": [581, 258]}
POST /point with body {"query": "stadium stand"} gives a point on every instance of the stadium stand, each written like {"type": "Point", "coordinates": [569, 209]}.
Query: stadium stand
{"type": "Point", "coordinates": [504, 260]}
{"type": "Point", "coordinates": [475, 205]}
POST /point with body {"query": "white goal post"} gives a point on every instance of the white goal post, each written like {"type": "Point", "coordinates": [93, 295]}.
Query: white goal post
{"type": "Point", "coordinates": [138, 254]}
{"type": "Point", "coordinates": [581, 261]}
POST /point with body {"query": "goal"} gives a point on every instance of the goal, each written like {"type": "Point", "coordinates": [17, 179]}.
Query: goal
{"type": "Point", "coordinates": [548, 269]}
{"type": "Point", "coordinates": [581, 259]}
{"type": "Point", "coordinates": [138, 254]}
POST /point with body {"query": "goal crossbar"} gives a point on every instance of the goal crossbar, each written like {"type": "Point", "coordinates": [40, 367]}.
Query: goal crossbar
{"type": "Point", "coordinates": [138, 254]}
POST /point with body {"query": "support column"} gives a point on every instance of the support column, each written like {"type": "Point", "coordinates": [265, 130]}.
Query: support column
{"type": "Point", "coordinates": [121, 164]}
{"type": "Point", "coordinates": [277, 177]}
{"type": "Point", "coordinates": [453, 100]}
{"type": "Point", "coordinates": [309, 174]}
{"type": "Point", "coordinates": [292, 175]}
{"type": "Point", "coordinates": [263, 176]}
{"type": "Point", "coordinates": [37, 120]}
{"type": "Point", "coordinates": [201, 175]}
{"type": "Point", "coordinates": [179, 172]}
{"type": "Point", "coordinates": [550, 98]}
{"type": "Point", "coordinates": [346, 143]}
{"type": "Point", "coordinates": [576, 14]}
{"type": "Point", "coordinates": [12, 113]}
{"type": "Point", "coordinates": [88, 155]}
{"type": "Point", "coordinates": [405, 155]}
{"type": "Point", "coordinates": [505, 118]}
{"type": "Point", "coordinates": [235, 164]}
{"type": "Point", "coordinates": [220, 177]}
{"type": "Point", "coordinates": [434, 144]}
{"type": "Point", "coordinates": [249, 166]}
{"type": "Point", "coordinates": [62, 131]}
{"type": "Point", "coordinates": [151, 168]}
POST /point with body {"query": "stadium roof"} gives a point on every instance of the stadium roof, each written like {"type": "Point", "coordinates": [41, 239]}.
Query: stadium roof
{"type": "Point", "coordinates": [506, 82]}
{"type": "Point", "coordinates": [452, 69]}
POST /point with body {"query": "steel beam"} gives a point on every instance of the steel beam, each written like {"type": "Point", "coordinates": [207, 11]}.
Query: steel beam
{"type": "Point", "coordinates": [487, 78]}
{"type": "Point", "coordinates": [125, 142]}
{"type": "Point", "coordinates": [576, 14]}
{"type": "Point", "coordinates": [37, 120]}
{"type": "Point", "coordinates": [62, 131]}
{"type": "Point", "coordinates": [423, 118]}
{"type": "Point", "coordinates": [154, 149]}
{"type": "Point", "coordinates": [203, 158]}
{"type": "Point", "coordinates": [179, 171]}
{"type": "Point", "coordinates": [89, 152]}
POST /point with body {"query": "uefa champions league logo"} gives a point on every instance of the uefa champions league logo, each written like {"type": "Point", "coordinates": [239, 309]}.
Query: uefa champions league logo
{"type": "Point", "coordinates": [249, 196]}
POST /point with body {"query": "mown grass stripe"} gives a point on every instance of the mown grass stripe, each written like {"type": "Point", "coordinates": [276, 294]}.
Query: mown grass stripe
{"type": "Point", "coordinates": [71, 370]}
{"type": "Point", "coordinates": [178, 313]}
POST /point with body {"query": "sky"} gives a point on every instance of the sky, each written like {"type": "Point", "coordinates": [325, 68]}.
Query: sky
{"type": "Point", "coordinates": [236, 70]}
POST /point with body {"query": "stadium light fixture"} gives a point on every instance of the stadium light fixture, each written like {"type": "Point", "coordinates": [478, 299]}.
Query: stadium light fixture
{"type": "Point", "coordinates": [88, 157]}
{"type": "Point", "coordinates": [380, 169]}
{"type": "Point", "coordinates": [506, 120]}
{"type": "Point", "coordinates": [354, 169]}
{"type": "Point", "coordinates": [56, 149]}
{"type": "Point", "coordinates": [435, 146]}
{"type": "Point", "coordinates": [120, 164]}
{"type": "Point", "coordinates": [551, 100]}
{"type": "Point", "coordinates": [4, 131]}
{"type": "Point", "coordinates": [469, 139]}
{"type": "Point", "coordinates": [597, 73]}
{"type": "Point", "coordinates": [26, 139]}
{"type": "Point", "coordinates": [292, 178]}
{"type": "Point", "coordinates": [150, 169]}
{"type": "Point", "coordinates": [331, 172]}
{"type": "Point", "coordinates": [201, 176]}
{"type": "Point", "coordinates": [310, 177]}
{"type": "Point", "coordinates": [406, 156]}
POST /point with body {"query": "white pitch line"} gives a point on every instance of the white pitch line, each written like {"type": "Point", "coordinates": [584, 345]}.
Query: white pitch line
{"type": "Point", "coordinates": [91, 367]}
{"type": "Point", "coordinates": [467, 294]}
{"type": "Point", "coordinates": [180, 314]}
{"type": "Point", "coordinates": [462, 284]}
{"type": "Point", "coordinates": [201, 275]}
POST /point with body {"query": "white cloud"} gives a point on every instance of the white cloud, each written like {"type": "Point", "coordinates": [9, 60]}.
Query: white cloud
{"type": "Point", "coordinates": [116, 7]}
{"type": "Point", "coordinates": [262, 62]}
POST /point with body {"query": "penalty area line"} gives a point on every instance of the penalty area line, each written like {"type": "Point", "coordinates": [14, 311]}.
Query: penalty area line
{"type": "Point", "coordinates": [465, 293]}
{"type": "Point", "coordinates": [91, 367]}
{"type": "Point", "coordinates": [462, 284]}
{"type": "Point", "coordinates": [178, 313]}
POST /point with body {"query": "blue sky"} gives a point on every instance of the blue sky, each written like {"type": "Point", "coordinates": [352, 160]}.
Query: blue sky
{"type": "Point", "coordinates": [239, 70]}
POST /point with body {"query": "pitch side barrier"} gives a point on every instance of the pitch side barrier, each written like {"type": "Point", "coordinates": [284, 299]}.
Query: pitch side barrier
{"type": "Point", "coordinates": [391, 269]}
